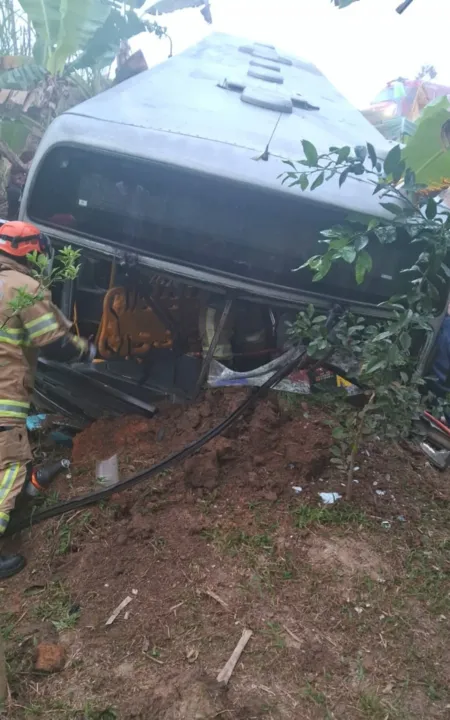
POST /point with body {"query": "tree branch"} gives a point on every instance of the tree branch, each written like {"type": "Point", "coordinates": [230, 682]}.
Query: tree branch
{"type": "Point", "coordinates": [355, 448]}
{"type": "Point", "coordinates": [10, 155]}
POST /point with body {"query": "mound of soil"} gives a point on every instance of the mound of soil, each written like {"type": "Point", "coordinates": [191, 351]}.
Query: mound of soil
{"type": "Point", "coordinates": [269, 449]}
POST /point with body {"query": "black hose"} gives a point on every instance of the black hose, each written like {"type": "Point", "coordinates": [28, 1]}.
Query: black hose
{"type": "Point", "coordinates": [300, 359]}
{"type": "Point", "coordinates": [70, 505]}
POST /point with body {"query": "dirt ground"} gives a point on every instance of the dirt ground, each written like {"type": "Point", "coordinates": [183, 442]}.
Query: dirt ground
{"type": "Point", "coordinates": [348, 603]}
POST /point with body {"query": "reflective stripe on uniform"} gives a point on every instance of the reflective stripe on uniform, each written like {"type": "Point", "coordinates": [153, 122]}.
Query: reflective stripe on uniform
{"type": "Point", "coordinates": [13, 336]}
{"type": "Point", "coordinates": [41, 325]}
{"type": "Point", "coordinates": [14, 408]}
{"type": "Point", "coordinates": [4, 520]}
{"type": "Point", "coordinates": [8, 479]}
{"type": "Point", "coordinates": [78, 342]}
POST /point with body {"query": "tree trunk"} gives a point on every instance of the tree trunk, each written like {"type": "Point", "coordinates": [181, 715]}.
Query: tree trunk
{"type": "Point", "coordinates": [355, 448]}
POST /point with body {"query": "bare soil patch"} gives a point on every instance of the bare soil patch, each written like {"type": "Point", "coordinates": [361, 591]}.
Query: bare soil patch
{"type": "Point", "coordinates": [349, 616]}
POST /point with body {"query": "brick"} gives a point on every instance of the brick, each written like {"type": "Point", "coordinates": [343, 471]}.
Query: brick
{"type": "Point", "coordinates": [50, 657]}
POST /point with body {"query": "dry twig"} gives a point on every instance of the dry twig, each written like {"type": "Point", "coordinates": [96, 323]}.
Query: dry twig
{"type": "Point", "coordinates": [227, 670]}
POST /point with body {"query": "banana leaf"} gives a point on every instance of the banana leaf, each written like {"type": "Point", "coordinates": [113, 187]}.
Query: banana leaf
{"type": "Point", "coordinates": [65, 26]}
{"type": "Point", "coordinates": [427, 153]}
{"type": "Point", "coordinates": [103, 47]}
{"type": "Point", "coordinates": [22, 78]}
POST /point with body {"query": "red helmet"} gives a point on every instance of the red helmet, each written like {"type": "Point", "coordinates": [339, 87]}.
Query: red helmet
{"type": "Point", "coordinates": [19, 239]}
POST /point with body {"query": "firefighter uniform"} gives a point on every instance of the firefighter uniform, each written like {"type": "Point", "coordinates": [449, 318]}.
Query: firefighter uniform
{"type": "Point", "coordinates": [22, 334]}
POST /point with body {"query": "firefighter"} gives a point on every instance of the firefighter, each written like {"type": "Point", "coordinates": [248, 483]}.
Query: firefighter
{"type": "Point", "coordinates": [23, 332]}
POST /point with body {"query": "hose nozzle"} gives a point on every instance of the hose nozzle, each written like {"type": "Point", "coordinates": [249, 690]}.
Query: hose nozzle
{"type": "Point", "coordinates": [42, 478]}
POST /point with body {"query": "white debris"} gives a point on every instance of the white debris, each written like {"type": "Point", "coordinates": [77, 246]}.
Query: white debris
{"type": "Point", "coordinates": [329, 498]}
{"type": "Point", "coordinates": [359, 610]}
{"type": "Point", "coordinates": [118, 610]}
{"type": "Point", "coordinates": [380, 492]}
{"type": "Point", "coordinates": [297, 489]}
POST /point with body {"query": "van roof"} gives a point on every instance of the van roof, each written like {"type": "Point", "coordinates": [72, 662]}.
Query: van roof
{"type": "Point", "coordinates": [216, 107]}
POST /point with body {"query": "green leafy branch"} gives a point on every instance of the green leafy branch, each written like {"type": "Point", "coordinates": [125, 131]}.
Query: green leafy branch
{"type": "Point", "coordinates": [67, 268]}
{"type": "Point", "coordinates": [378, 358]}
{"type": "Point", "coordinates": [380, 355]}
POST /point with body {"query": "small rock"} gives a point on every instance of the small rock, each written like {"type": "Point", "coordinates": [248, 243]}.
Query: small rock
{"type": "Point", "coordinates": [141, 526]}
{"type": "Point", "coordinates": [160, 434]}
{"type": "Point", "coordinates": [50, 657]}
{"type": "Point", "coordinates": [270, 496]}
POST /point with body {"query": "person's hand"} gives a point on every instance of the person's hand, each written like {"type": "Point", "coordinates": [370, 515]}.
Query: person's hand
{"type": "Point", "coordinates": [87, 349]}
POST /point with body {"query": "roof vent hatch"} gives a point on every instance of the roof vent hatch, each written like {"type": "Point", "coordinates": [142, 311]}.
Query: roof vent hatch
{"type": "Point", "coordinates": [268, 99]}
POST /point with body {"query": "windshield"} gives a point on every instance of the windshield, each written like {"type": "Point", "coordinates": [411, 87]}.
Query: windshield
{"type": "Point", "coordinates": [198, 220]}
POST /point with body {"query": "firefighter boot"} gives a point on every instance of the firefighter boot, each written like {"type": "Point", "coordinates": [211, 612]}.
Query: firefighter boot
{"type": "Point", "coordinates": [11, 565]}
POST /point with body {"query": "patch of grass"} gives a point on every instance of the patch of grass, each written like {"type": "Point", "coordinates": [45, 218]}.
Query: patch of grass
{"type": "Point", "coordinates": [275, 632]}
{"type": "Point", "coordinates": [64, 540]}
{"type": "Point", "coordinates": [91, 714]}
{"type": "Point", "coordinates": [360, 671]}
{"type": "Point", "coordinates": [236, 541]}
{"type": "Point", "coordinates": [7, 623]}
{"type": "Point", "coordinates": [258, 552]}
{"type": "Point", "coordinates": [429, 577]}
{"type": "Point", "coordinates": [51, 498]}
{"type": "Point", "coordinates": [371, 706]}
{"type": "Point", "coordinates": [338, 514]}
{"type": "Point", "coordinates": [61, 711]}
{"type": "Point", "coordinates": [66, 533]}
{"type": "Point", "coordinates": [434, 692]}
{"type": "Point", "coordinates": [57, 607]}
{"type": "Point", "coordinates": [317, 697]}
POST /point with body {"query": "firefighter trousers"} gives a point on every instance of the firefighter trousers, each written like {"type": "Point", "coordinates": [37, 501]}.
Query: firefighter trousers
{"type": "Point", "coordinates": [15, 456]}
